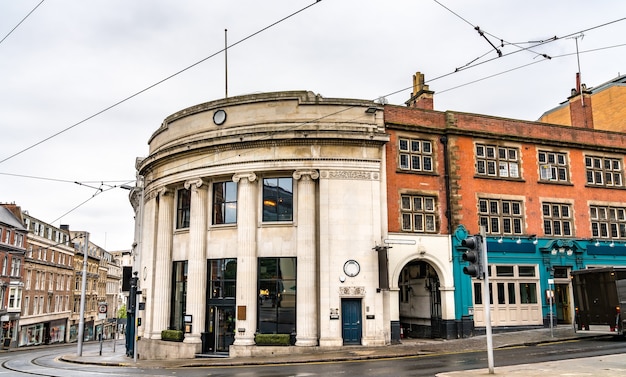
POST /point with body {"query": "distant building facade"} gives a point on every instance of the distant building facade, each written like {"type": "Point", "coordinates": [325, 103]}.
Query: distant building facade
{"type": "Point", "coordinates": [95, 289]}
{"type": "Point", "coordinates": [49, 277]}
{"type": "Point", "coordinates": [13, 244]}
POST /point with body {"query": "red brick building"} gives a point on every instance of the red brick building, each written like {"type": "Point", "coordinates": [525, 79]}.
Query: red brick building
{"type": "Point", "coordinates": [551, 198]}
{"type": "Point", "coordinates": [13, 243]}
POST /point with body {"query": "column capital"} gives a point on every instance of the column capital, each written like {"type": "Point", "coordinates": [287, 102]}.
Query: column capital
{"type": "Point", "coordinates": [164, 191]}
{"type": "Point", "coordinates": [194, 184]}
{"type": "Point", "coordinates": [311, 173]}
{"type": "Point", "coordinates": [250, 176]}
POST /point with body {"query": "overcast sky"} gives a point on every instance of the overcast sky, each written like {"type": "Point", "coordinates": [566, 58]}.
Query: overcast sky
{"type": "Point", "coordinates": [70, 60]}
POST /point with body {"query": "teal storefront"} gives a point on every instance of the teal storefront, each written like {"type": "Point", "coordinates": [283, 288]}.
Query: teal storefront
{"type": "Point", "coordinates": [524, 273]}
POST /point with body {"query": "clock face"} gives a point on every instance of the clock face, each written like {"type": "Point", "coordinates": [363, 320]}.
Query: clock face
{"type": "Point", "coordinates": [219, 117]}
{"type": "Point", "coordinates": [351, 268]}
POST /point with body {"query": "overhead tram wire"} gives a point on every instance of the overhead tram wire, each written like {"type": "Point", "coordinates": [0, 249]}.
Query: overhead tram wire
{"type": "Point", "coordinates": [19, 23]}
{"type": "Point", "coordinates": [529, 49]}
{"type": "Point", "coordinates": [66, 180]}
{"type": "Point", "coordinates": [157, 83]}
{"type": "Point", "coordinates": [409, 88]}
{"type": "Point", "coordinates": [99, 190]}
{"type": "Point", "coordinates": [348, 108]}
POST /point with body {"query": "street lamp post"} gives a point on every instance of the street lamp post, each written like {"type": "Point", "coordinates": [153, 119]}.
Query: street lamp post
{"type": "Point", "coordinates": [81, 321]}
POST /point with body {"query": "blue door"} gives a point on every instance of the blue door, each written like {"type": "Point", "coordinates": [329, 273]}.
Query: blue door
{"type": "Point", "coordinates": [351, 317]}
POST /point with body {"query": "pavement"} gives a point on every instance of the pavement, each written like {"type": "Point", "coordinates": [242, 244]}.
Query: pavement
{"type": "Point", "coordinates": [605, 366]}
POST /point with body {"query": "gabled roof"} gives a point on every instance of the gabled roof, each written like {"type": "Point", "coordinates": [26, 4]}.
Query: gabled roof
{"type": "Point", "coordinates": [7, 217]}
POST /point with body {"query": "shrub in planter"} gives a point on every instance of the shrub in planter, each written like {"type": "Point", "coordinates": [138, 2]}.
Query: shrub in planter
{"type": "Point", "coordinates": [172, 335]}
{"type": "Point", "coordinates": [272, 339]}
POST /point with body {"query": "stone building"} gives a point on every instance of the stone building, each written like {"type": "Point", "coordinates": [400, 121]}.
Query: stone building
{"type": "Point", "coordinates": [95, 289]}
{"type": "Point", "coordinates": [112, 267]}
{"type": "Point", "coordinates": [262, 214]}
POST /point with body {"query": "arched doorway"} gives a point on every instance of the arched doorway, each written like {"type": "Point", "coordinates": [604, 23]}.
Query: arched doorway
{"type": "Point", "coordinates": [420, 300]}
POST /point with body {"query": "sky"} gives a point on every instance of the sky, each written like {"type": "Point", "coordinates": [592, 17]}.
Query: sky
{"type": "Point", "coordinates": [84, 84]}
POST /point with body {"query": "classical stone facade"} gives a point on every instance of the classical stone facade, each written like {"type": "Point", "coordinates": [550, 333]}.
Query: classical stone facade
{"type": "Point", "coordinates": [261, 214]}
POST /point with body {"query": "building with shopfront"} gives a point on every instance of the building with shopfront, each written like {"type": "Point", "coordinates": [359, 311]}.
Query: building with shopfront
{"type": "Point", "coordinates": [262, 214]}
{"type": "Point", "coordinates": [550, 198]}
{"type": "Point", "coordinates": [13, 244]}
{"type": "Point", "coordinates": [48, 282]}
{"type": "Point", "coordinates": [95, 287]}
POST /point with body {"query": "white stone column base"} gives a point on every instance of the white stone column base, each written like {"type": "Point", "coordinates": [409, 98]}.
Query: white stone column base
{"type": "Point", "coordinates": [306, 342]}
{"type": "Point", "coordinates": [331, 342]}
{"type": "Point", "coordinates": [192, 339]}
{"type": "Point", "coordinates": [244, 341]}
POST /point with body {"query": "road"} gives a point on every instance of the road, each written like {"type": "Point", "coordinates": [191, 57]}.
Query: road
{"type": "Point", "coordinates": [44, 362]}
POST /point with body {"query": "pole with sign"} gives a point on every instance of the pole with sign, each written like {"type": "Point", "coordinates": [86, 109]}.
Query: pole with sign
{"type": "Point", "coordinates": [102, 314]}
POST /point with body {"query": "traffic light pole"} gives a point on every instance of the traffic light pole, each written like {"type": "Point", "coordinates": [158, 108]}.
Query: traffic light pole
{"type": "Point", "coordinates": [486, 298]}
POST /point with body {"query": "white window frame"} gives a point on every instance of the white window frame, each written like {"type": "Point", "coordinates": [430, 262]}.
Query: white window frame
{"type": "Point", "coordinates": [416, 155]}
{"type": "Point", "coordinates": [497, 161]}
{"type": "Point", "coordinates": [557, 219]}
{"type": "Point", "coordinates": [604, 171]}
{"type": "Point", "coordinates": [418, 213]}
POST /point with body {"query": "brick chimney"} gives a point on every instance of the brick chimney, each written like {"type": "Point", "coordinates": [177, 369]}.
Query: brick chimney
{"type": "Point", "coordinates": [422, 97]}
{"type": "Point", "coordinates": [580, 109]}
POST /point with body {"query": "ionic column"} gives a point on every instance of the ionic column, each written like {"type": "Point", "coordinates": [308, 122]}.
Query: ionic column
{"type": "Point", "coordinates": [307, 316]}
{"type": "Point", "coordinates": [196, 263]}
{"type": "Point", "coordinates": [163, 264]}
{"type": "Point", "coordinates": [247, 294]}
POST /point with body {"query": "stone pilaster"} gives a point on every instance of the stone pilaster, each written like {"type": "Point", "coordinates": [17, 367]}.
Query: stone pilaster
{"type": "Point", "coordinates": [163, 263]}
{"type": "Point", "coordinates": [196, 263]}
{"type": "Point", "coordinates": [307, 316]}
{"type": "Point", "coordinates": [247, 265]}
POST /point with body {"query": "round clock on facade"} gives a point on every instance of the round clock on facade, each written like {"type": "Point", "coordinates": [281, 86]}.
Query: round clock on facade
{"type": "Point", "coordinates": [351, 268]}
{"type": "Point", "coordinates": [219, 117]}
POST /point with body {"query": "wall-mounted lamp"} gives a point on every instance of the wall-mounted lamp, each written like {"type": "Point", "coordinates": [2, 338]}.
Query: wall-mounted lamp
{"type": "Point", "coordinates": [519, 240]}
{"type": "Point", "coordinates": [500, 239]}
{"type": "Point", "coordinates": [612, 244]}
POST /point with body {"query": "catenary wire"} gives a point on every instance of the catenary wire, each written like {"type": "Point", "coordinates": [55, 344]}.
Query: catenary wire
{"type": "Point", "coordinates": [66, 180]}
{"type": "Point", "coordinates": [99, 191]}
{"type": "Point", "coordinates": [155, 84]}
{"type": "Point", "coordinates": [19, 23]}
{"type": "Point", "coordinates": [295, 127]}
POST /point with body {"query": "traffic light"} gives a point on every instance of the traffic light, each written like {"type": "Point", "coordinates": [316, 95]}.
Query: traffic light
{"type": "Point", "coordinates": [473, 255]}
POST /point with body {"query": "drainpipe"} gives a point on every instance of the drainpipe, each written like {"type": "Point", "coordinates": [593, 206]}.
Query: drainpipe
{"type": "Point", "coordinates": [446, 162]}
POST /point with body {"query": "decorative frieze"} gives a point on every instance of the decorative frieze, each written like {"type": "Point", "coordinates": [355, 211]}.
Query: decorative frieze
{"type": "Point", "coordinates": [351, 291]}
{"type": "Point", "coordinates": [349, 174]}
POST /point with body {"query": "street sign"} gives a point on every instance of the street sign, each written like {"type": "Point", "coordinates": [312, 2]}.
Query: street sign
{"type": "Point", "coordinates": [102, 311]}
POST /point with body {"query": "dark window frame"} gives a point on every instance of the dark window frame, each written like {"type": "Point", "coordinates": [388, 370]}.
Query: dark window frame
{"type": "Point", "coordinates": [278, 199]}
{"type": "Point", "coordinates": [183, 208]}
{"type": "Point", "coordinates": [224, 204]}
